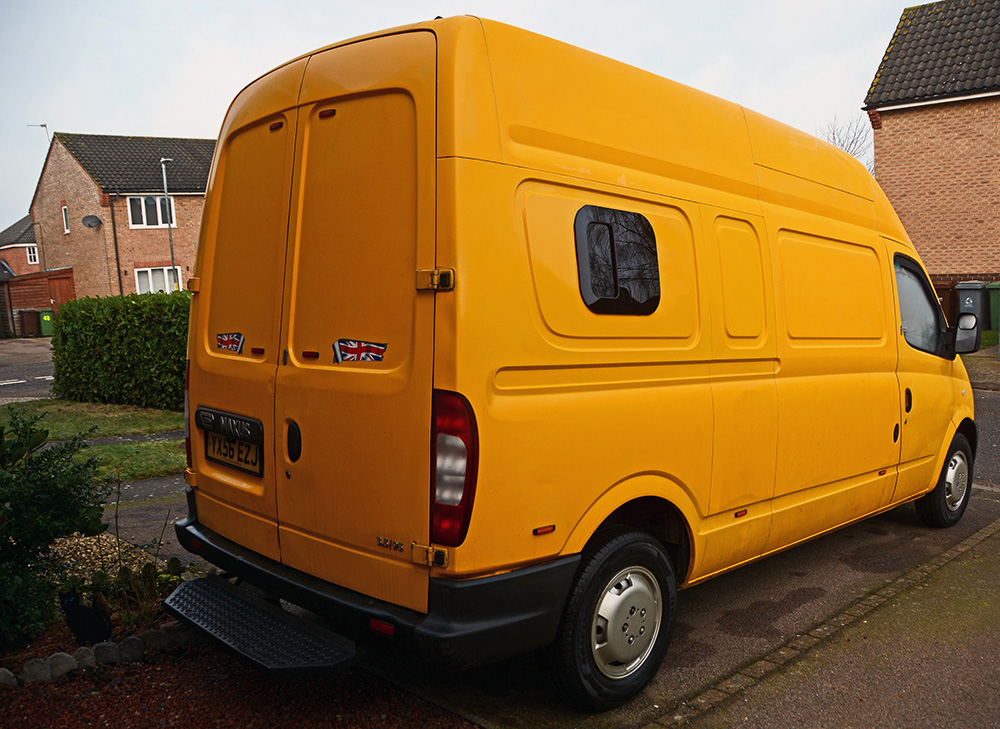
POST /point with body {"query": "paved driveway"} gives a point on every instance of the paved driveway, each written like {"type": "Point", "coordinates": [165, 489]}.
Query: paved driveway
{"type": "Point", "coordinates": [25, 369]}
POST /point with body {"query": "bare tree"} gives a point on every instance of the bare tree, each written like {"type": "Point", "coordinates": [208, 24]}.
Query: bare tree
{"type": "Point", "coordinates": [853, 136]}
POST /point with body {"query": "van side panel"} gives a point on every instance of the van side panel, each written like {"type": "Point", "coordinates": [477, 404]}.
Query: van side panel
{"type": "Point", "coordinates": [242, 247]}
{"type": "Point", "coordinates": [353, 426]}
{"type": "Point", "coordinates": [744, 396]}
{"type": "Point", "coordinates": [837, 398]}
{"type": "Point", "coordinates": [568, 411]}
{"type": "Point", "coordinates": [593, 118]}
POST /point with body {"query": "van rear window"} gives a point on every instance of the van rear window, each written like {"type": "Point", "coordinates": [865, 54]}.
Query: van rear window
{"type": "Point", "coordinates": [617, 263]}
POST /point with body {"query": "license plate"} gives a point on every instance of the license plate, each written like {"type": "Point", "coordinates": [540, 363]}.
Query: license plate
{"type": "Point", "coordinates": [235, 453]}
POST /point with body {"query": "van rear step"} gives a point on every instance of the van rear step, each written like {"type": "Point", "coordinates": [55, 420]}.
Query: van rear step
{"type": "Point", "coordinates": [283, 644]}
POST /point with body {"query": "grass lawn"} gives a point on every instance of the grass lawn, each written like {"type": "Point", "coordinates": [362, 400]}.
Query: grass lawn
{"type": "Point", "coordinates": [136, 461]}
{"type": "Point", "coordinates": [65, 418]}
{"type": "Point", "coordinates": [118, 461]}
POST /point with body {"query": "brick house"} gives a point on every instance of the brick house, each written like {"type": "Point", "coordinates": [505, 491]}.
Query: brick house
{"type": "Point", "coordinates": [934, 106]}
{"type": "Point", "coordinates": [18, 250]}
{"type": "Point", "coordinates": [99, 209]}
{"type": "Point", "coordinates": [22, 287]}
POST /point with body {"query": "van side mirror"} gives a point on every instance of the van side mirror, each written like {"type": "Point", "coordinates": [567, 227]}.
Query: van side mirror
{"type": "Point", "coordinates": [967, 334]}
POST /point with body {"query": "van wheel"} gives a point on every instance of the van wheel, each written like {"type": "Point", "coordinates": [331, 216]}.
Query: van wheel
{"type": "Point", "coordinates": [618, 621]}
{"type": "Point", "coordinates": [944, 506]}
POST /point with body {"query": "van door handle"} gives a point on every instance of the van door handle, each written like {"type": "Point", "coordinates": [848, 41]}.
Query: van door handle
{"type": "Point", "coordinates": [294, 441]}
{"type": "Point", "coordinates": [909, 400]}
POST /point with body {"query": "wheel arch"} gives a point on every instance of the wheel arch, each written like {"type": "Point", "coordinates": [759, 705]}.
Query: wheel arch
{"type": "Point", "coordinates": [634, 504]}
{"type": "Point", "coordinates": [970, 430]}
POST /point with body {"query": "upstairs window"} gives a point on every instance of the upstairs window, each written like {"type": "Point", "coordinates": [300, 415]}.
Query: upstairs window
{"type": "Point", "coordinates": [33, 255]}
{"type": "Point", "coordinates": [151, 212]}
{"type": "Point", "coordinates": [616, 261]}
{"type": "Point", "coordinates": [65, 214]}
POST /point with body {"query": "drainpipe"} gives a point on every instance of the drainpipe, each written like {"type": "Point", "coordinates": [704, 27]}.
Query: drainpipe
{"type": "Point", "coordinates": [114, 235]}
{"type": "Point", "coordinates": [10, 309]}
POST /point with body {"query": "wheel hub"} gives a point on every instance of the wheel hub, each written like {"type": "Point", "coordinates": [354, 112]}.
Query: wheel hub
{"type": "Point", "coordinates": [626, 622]}
{"type": "Point", "coordinates": [956, 481]}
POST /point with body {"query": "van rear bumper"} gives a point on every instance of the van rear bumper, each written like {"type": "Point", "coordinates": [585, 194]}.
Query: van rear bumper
{"type": "Point", "coordinates": [468, 622]}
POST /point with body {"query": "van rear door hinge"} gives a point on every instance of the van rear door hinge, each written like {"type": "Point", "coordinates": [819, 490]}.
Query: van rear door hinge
{"type": "Point", "coordinates": [430, 556]}
{"type": "Point", "coordinates": [435, 279]}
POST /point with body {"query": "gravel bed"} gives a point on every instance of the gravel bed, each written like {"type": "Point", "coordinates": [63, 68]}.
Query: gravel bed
{"type": "Point", "coordinates": [192, 682]}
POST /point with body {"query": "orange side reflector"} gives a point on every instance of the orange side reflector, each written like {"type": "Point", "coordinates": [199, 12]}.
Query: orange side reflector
{"type": "Point", "coordinates": [741, 512]}
{"type": "Point", "coordinates": [544, 530]}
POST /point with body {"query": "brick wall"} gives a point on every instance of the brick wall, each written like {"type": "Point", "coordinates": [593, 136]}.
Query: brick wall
{"type": "Point", "coordinates": [32, 292]}
{"type": "Point", "coordinates": [150, 247]}
{"type": "Point", "coordinates": [940, 168]}
{"type": "Point", "coordinates": [64, 182]}
{"type": "Point", "coordinates": [16, 257]}
{"type": "Point", "coordinates": [91, 251]}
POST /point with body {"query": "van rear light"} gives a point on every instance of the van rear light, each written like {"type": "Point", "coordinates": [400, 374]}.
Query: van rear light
{"type": "Point", "coordinates": [187, 414]}
{"type": "Point", "coordinates": [455, 458]}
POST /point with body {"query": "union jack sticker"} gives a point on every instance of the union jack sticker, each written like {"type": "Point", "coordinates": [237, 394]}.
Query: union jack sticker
{"type": "Point", "coordinates": [233, 342]}
{"type": "Point", "coordinates": [354, 350]}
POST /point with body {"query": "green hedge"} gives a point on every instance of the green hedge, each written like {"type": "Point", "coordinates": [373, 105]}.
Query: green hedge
{"type": "Point", "coordinates": [127, 350]}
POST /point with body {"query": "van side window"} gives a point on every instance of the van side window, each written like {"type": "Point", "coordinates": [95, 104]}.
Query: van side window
{"type": "Point", "coordinates": [616, 261]}
{"type": "Point", "coordinates": [918, 308]}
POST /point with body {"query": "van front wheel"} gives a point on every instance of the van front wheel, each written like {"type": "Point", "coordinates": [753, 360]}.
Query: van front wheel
{"type": "Point", "coordinates": [944, 506]}
{"type": "Point", "coordinates": [618, 621]}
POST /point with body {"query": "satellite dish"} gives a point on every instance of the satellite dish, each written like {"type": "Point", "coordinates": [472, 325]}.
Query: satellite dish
{"type": "Point", "coordinates": [91, 221]}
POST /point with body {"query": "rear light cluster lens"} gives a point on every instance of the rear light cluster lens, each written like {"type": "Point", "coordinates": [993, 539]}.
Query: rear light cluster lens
{"type": "Point", "coordinates": [456, 459]}
{"type": "Point", "coordinates": [187, 413]}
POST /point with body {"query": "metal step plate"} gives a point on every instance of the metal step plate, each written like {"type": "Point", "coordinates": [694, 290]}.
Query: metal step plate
{"type": "Point", "coordinates": [281, 643]}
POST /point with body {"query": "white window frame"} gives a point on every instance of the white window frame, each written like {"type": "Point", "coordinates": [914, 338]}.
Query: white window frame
{"type": "Point", "coordinates": [32, 255]}
{"type": "Point", "coordinates": [149, 274]}
{"type": "Point", "coordinates": [142, 209]}
{"type": "Point", "coordinates": [65, 214]}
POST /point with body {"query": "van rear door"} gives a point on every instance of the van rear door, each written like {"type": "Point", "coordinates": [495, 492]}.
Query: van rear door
{"type": "Point", "coordinates": [352, 418]}
{"type": "Point", "coordinates": [235, 323]}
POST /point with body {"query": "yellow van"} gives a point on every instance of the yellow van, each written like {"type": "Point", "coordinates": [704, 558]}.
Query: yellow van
{"type": "Point", "coordinates": [495, 343]}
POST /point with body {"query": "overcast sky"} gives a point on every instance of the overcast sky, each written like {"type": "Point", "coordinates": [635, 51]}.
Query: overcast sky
{"type": "Point", "coordinates": [141, 68]}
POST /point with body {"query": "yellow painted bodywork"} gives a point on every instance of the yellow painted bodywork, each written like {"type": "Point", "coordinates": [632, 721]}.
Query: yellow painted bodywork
{"type": "Point", "coordinates": [759, 399]}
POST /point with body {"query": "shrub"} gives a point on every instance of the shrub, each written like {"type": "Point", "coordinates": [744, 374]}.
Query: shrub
{"type": "Point", "coordinates": [128, 350]}
{"type": "Point", "coordinates": [45, 494]}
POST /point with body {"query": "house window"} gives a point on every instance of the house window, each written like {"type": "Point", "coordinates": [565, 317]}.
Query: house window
{"type": "Point", "coordinates": [152, 280]}
{"type": "Point", "coordinates": [65, 212]}
{"type": "Point", "coordinates": [617, 263]}
{"type": "Point", "coordinates": [33, 254]}
{"type": "Point", "coordinates": [151, 212]}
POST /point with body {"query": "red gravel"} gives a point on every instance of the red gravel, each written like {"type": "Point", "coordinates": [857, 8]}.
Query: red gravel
{"type": "Point", "coordinates": [207, 687]}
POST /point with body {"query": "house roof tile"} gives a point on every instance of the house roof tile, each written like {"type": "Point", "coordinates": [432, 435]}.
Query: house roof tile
{"type": "Point", "coordinates": [132, 164]}
{"type": "Point", "coordinates": [941, 50]}
{"type": "Point", "coordinates": [20, 232]}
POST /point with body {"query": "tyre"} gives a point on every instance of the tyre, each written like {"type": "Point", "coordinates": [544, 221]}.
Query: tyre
{"type": "Point", "coordinates": [618, 621]}
{"type": "Point", "coordinates": [944, 506]}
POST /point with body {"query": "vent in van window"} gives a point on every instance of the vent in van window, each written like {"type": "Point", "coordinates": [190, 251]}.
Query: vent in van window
{"type": "Point", "coordinates": [616, 261]}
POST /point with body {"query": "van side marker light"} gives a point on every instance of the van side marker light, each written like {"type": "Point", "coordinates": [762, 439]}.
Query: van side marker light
{"type": "Point", "coordinates": [327, 113]}
{"type": "Point", "coordinates": [882, 472]}
{"type": "Point", "coordinates": [276, 126]}
{"type": "Point", "coordinates": [382, 627]}
{"type": "Point", "coordinates": [741, 512]}
{"type": "Point", "coordinates": [544, 530]}
{"type": "Point", "coordinates": [310, 355]}
{"type": "Point", "coordinates": [257, 351]}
